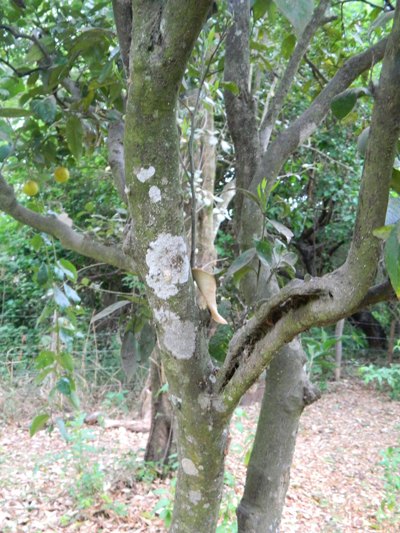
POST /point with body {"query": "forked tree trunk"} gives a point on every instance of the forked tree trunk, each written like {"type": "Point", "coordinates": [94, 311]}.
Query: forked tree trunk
{"type": "Point", "coordinates": [287, 392]}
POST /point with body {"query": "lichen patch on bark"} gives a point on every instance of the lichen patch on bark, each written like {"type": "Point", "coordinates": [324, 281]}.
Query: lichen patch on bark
{"type": "Point", "coordinates": [189, 467]}
{"type": "Point", "coordinates": [145, 174]}
{"type": "Point", "coordinates": [168, 264]}
{"type": "Point", "coordinates": [195, 496]}
{"type": "Point", "coordinates": [178, 336]}
{"type": "Point", "coordinates": [154, 194]}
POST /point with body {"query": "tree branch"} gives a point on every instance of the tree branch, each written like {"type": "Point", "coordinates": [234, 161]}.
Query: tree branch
{"type": "Point", "coordinates": [321, 301]}
{"type": "Point", "coordinates": [115, 143]}
{"type": "Point", "coordinates": [292, 67]}
{"type": "Point", "coordinates": [123, 21]}
{"type": "Point", "coordinates": [306, 124]}
{"type": "Point", "coordinates": [69, 238]}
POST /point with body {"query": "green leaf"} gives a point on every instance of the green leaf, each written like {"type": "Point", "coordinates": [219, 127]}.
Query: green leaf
{"type": "Point", "coordinates": [264, 252]}
{"type": "Point", "coordinates": [74, 135]}
{"type": "Point", "coordinates": [392, 259]}
{"type": "Point", "coordinates": [251, 196]}
{"type": "Point", "coordinates": [298, 12]}
{"type": "Point", "coordinates": [44, 359]}
{"type": "Point", "coordinates": [68, 268]}
{"type": "Point", "coordinates": [260, 7]}
{"type": "Point", "coordinates": [5, 151]}
{"type": "Point", "coordinates": [343, 103]}
{"type": "Point", "coordinates": [231, 87]}
{"type": "Point", "coordinates": [71, 294]}
{"type": "Point", "coordinates": [74, 399]}
{"type": "Point", "coordinates": [66, 361]}
{"type": "Point", "coordinates": [45, 109]}
{"type": "Point", "coordinates": [288, 45]}
{"type": "Point", "coordinates": [89, 38]}
{"type": "Point", "coordinates": [38, 423]}
{"type": "Point", "coordinates": [14, 112]}
{"type": "Point", "coordinates": [282, 229]}
{"type": "Point", "coordinates": [63, 386]}
{"type": "Point", "coordinates": [382, 232]}
{"type": "Point", "coordinates": [109, 310]}
{"type": "Point", "coordinates": [362, 141]}
{"type": "Point", "coordinates": [43, 274]}
{"type": "Point", "coordinates": [62, 429]}
{"type": "Point", "coordinates": [37, 242]}
{"type": "Point", "coordinates": [60, 298]}
{"type": "Point", "coordinates": [241, 262]}
{"type": "Point", "coordinates": [395, 181]}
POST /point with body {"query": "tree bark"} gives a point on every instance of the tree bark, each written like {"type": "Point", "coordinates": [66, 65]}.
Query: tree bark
{"type": "Point", "coordinates": [287, 392]}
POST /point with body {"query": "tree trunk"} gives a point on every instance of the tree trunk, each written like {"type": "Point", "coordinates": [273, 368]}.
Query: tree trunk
{"type": "Point", "coordinates": [286, 394]}
{"type": "Point", "coordinates": [159, 443]}
{"type": "Point", "coordinates": [201, 447]}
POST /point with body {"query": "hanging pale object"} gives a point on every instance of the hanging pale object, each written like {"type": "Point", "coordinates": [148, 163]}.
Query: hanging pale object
{"type": "Point", "coordinates": [208, 288]}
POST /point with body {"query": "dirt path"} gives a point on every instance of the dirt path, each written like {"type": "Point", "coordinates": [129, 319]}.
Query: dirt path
{"type": "Point", "coordinates": [336, 481]}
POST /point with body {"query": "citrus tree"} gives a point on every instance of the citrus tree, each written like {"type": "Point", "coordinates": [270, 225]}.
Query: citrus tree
{"type": "Point", "coordinates": [66, 87]}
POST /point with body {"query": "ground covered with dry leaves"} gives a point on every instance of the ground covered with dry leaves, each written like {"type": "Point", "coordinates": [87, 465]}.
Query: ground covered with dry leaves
{"type": "Point", "coordinates": [97, 482]}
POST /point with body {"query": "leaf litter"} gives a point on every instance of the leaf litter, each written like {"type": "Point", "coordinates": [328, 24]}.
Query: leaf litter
{"type": "Point", "coordinates": [336, 479]}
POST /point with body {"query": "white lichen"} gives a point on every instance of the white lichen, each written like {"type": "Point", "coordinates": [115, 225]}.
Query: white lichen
{"type": "Point", "coordinates": [145, 174]}
{"type": "Point", "coordinates": [168, 264]}
{"type": "Point", "coordinates": [189, 467]}
{"type": "Point", "coordinates": [178, 336]}
{"type": "Point", "coordinates": [195, 496]}
{"type": "Point", "coordinates": [154, 194]}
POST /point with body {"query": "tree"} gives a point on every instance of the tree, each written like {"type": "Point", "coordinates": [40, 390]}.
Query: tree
{"type": "Point", "coordinates": [156, 41]}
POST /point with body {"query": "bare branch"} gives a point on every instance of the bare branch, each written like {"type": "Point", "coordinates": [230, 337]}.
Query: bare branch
{"type": "Point", "coordinates": [293, 66]}
{"type": "Point", "coordinates": [123, 21]}
{"type": "Point", "coordinates": [69, 238]}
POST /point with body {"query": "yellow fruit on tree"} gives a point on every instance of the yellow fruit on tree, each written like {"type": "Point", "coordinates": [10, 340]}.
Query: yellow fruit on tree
{"type": "Point", "coordinates": [30, 188]}
{"type": "Point", "coordinates": [61, 174]}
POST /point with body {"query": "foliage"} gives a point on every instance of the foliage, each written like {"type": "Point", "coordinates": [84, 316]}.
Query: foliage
{"type": "Point", "coordinates": [318, 347]}
{"type": "Point", "coordinates": [390, 505]}
{"type": "Point", "coordinates": [385, 378]}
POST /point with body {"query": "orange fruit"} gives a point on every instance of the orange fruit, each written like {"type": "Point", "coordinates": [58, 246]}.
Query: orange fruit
{"type": "Point", "coordinates": [61, 174]}
{"type": "Point", "coordinates": [30, 188]}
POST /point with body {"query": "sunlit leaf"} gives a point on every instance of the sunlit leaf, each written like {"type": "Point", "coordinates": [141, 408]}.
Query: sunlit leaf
{"type": "Point", "coordinates": [282, 229]}
{"type": "Point", "coordinates": [298, 12]}
{"type": "Point", "coordinates": [13, 112]}
{"type": "Point", "coordinates": [74, 134]}
{"type": "Point", "coordinates": [60, 298]}
{"type": "Point", "coordinates": [38, 423]}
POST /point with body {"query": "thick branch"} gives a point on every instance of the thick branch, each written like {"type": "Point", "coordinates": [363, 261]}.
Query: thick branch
{"type": "Point", "coordinates": [292, 67]}
{"type": "Point", "coordinates": [241, 112]}
{"type": "Point", "coordinates": [307, 123]}
{"type": "Point", "coordinates": [69, 238]}
{"type": "Point", "coordinates": [379, 293]}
